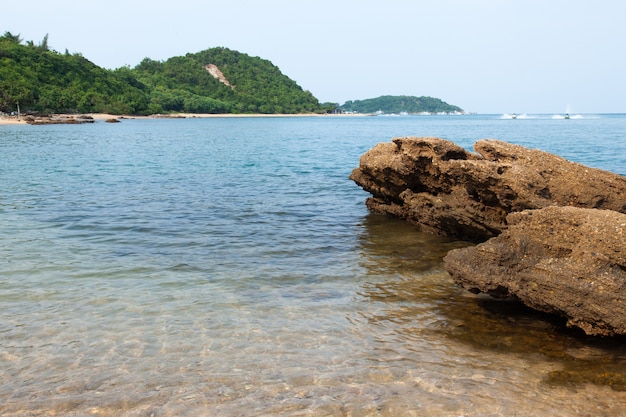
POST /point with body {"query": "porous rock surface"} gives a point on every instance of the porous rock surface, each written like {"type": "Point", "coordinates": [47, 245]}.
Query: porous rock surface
{"type": "Point", "coordinates": [554, 231]}
{"type": "Point", "coordinates": [563, 260]}
{"type": "Point", "coordinates": [447, 190]}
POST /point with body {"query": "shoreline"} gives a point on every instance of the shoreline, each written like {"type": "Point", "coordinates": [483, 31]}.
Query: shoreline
{"type": "Point", "coordinates": [13, 120]}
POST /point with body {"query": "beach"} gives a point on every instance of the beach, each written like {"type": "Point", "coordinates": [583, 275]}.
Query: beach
{"type": "Point", "coordinates": [11, 120]}
{"type": "Point", "coordinates": [14, 120]}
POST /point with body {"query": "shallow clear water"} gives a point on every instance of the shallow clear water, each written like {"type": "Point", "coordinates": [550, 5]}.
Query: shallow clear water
{"type": "Point", "coordinates": [229, 267]}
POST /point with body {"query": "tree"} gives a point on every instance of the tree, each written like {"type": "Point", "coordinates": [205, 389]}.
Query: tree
{"type": "Point", "coordinates": [12, 38]}
{"type": "Point", "coordinates": [254, 84]}
{"type": "Point", "coordinates": [44, 80]}
{"type": "Point", "coordinates": [44, 43]}
{"type": "Point", "coordinates": [397, 104]}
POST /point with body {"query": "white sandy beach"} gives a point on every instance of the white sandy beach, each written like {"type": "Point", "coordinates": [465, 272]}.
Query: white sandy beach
{"type": "Point", "coordinates": [11, 120]}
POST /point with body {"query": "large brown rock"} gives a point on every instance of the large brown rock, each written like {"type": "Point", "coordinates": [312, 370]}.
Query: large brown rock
{"type": "Point", "coordinates": [562, 260]}
{"type": "Point", "coordinates": [447, 190]}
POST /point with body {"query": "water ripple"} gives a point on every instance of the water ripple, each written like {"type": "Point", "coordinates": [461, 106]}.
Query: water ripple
{"type": "Point", "coordinates": [229, 267]}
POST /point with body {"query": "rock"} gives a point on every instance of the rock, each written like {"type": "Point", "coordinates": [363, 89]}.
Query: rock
{"type": "Point", "coordinates": [555, 230]}
{"type": "Point", "coordinates": [59, 119]}
{"type": "Point", "coordinates": [112, 120]}
{"type": "Point", "coordinates": [447, 190]}
{"type": "Point", "coordinates": [562, 260]}
{"type": "Point", "coordinates": [169, 116]}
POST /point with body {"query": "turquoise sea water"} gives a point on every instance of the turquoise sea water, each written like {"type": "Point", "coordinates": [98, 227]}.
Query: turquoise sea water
{"type": "Point", "coordinates": [228, 267]}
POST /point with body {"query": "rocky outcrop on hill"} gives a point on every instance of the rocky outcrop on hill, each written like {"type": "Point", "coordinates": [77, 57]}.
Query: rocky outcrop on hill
{"type": "Point", "coordinates": [217, 74]}
{"type": "Point", "coordinates": [562, 260]}
{"type": "Point", "coordinates": [447, 190]}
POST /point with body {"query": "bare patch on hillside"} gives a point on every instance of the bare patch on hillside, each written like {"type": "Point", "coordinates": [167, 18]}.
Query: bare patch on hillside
{"type": "Point", "coordinates": [216, 73]}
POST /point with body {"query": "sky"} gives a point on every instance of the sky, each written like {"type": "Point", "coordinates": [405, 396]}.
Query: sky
{"type": "Point", "coordinates": [485, 56]}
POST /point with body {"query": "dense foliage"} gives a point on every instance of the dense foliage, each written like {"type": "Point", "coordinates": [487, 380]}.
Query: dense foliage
{"type": "Point", "coordinates": [398, 104]}
{"type": "Point", "coordinates": [43, 80]}
{"type": "Point", "coordinates": [183, 84]}
{"type": "Point", "coordinates": [36, 78]}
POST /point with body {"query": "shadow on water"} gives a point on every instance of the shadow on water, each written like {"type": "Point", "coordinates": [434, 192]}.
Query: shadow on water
{"type": "Point", "coordinates": [509, 326]}
{"type": "Point", "coordinates": [394, 246]}
{"type": "Point", "coordinates": [418, 298]}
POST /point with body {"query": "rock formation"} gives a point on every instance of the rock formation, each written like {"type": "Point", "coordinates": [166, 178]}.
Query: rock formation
{"type": "Point", "coordinates": [58, 119]}
{"type": "Point", "coordinates": [447, 190]}
{"type": "Point", "coordinates": [217, 74]}
{"type": "Point", "coordinates": [555, 230]}
{"type": "Point", "coordinates": [562, 260]}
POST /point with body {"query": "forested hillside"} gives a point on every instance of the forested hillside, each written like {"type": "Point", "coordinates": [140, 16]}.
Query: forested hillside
{"type": "Point", "coordinates": [249, 85]}
{"type": "Point", "coordinates": [399, 104]}
{"type": "Point", "coordinates": [217, 80]}
{"type": "Point", "coordinates": [39, 79]}
{"type": "Point", "coordinates": [43, 80]}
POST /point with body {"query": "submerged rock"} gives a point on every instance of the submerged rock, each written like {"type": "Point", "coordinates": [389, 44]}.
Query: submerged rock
{"type": "Point", "coordinates": [562, 260]}
{"type": "Point", "coordinates": [447, 190]}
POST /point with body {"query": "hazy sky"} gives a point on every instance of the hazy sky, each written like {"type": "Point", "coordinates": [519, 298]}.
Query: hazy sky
{"type": "Point", "coordinates": [486, 56]}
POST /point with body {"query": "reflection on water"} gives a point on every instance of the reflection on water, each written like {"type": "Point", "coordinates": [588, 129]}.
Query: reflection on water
{"type": "Point", "coordinates": [391, 246]}
{"type": "Point", "coordinates": [508, 326]}
{"type": "Point", "coordinates": [430, 304]}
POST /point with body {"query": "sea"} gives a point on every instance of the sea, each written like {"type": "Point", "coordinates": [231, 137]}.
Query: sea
{"type": "Point", "coordinates": [229, 267]}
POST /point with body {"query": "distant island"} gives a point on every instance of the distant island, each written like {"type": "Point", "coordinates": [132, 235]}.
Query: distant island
{"type": "Point", "coordinates": [35, 79]}
{"type": "Point", "coordinates": [399, 105]}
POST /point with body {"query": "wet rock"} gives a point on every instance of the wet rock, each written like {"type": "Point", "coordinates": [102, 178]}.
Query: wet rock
{"type": "Point", "coordinates": [562, 260]}
{"type": "Point", "coordinates": [447, 190]}
{"type": "Point", "coordinates": [555, 230]}
{"type": "Point", "coordinates": [59, 119]}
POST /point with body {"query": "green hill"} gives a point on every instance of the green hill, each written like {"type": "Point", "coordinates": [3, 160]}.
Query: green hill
{"type": "Point", "coordinates": [399, 104]}
{"type": "Point", "coordinates": [220, 80]}
{"type": "Point", "coordinates": [216, 80]}
{"type": "Point", "coordinates": [43, 80]}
